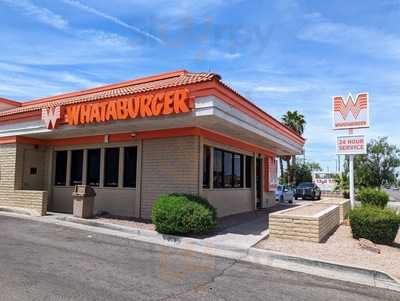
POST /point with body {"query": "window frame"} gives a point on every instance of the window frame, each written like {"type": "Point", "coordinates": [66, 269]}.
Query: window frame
{"type": "Point", "coordinates": [124, 185]}
{"type": "Point", "coordinates": [102, 183]}
{"type": "Point", "coordinates": [56, 163]}
{"type": "Point", "coordinates": [206, 166]}
{"type": "Point", "coordinates": [88, 169]}
{"type": "Point", "coordinates": [223, 184]}
{"type": "Point", "coordinates": [71, 166]}
{"type": "Point", "coordinates": [249, 171]}
{"type": "Point", "coordinates": [107, 177]}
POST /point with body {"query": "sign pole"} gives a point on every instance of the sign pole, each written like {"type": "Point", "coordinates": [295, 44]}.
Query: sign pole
{"type": "Point", "coordinates": [350, 145]}
{"type": "Point", "coordinates": [351, 175]}
{"type": "Point", "coordinates": [351, 180]}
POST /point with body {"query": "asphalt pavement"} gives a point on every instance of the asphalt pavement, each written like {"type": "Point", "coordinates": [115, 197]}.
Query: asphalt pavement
{"type": "Point", "coordinates": [40, 261]}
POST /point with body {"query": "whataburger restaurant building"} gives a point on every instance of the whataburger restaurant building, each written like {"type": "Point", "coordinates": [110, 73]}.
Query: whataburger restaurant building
{"type": "Point", "coordinates": [136, 140]}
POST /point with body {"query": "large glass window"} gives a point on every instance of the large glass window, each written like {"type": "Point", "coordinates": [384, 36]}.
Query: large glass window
{"type": "Point", "coordinates": [249, 168]}
{"type": "Point", "coordinates": [61, 168]}
{"type": "Point", "coordinates": [206, 166]}
{"type": "Point", "coordinates": [237, 171]}
{"type": "Point", "coordinates": [76, 167]}
{"type": "Point", "coordinates": [228, 169]}
{"type": "Point", "coordinates": [130, 159]}
{"type": "Point", "coordinates": [111, 167]}
{"type": "Point", "coordinates": [218, 169]}
{"type": "Point", "coordinates": [93, 167]}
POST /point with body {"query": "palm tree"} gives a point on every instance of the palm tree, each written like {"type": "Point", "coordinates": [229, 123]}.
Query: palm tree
{"type": "Point", "coordinates": [296, 122]}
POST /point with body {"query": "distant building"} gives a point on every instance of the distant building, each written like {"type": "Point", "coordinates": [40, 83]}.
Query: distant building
{"type": "Point", "coordinates": [325, 180]}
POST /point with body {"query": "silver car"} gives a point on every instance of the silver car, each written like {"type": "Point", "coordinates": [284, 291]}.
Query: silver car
{"type": "Point", "coordinates": [284, 193]}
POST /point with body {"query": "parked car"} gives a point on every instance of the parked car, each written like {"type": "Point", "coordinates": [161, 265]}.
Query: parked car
{"type": "Point", "coordinates": [308, 190]}
{"type": "Point", "coordinates": [284, 193]}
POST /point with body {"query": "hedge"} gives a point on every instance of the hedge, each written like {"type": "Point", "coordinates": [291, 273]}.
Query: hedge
{"type": "Point", "coordinates": [183, 214]}
{"type": "Point", "coordinates": [372, 196]}
{"type": "Point", "coordinates": [375, 224]}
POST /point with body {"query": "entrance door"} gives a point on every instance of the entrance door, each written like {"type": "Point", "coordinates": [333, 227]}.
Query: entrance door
{"type": "Point", "coordinates": [259, 182]}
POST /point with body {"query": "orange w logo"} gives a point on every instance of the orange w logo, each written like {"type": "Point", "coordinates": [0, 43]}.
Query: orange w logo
{"type": "Point", "coordinates": [50, 116]}
{"type": "Point", "coordinates": [351, 106]}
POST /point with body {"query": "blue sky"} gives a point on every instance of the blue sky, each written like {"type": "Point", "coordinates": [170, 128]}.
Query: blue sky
{"type": "Point", "coordinates": [283, 54]}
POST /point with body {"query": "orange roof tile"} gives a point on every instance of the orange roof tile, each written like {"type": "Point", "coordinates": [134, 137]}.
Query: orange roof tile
{"type": "Point", "coordinates": [162, 81]}
{"type": "Point", "coordinates": [146, 84]}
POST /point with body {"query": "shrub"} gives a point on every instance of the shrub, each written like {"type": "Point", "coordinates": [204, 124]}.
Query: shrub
{"type": "Point", "coordinates": [183, 214]}
{"type": "Point", "coordinates": [375, 224]}
{"type": "Point", "coordinates": [374, 197]}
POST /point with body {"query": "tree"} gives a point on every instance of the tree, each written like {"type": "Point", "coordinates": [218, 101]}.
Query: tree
{"type": "Point", "coordinates": [379, 166]}
{"type": "Point", "coordinates": [295, 122]}
{"type": "Point", "coordinates": [303, 171]}
{"type": "Point", "coordinates": [342, 184]}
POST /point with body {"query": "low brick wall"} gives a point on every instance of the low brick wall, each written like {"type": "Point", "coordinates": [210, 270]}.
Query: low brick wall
{"type": "Point", "coordinates": [292, 224]}
{"type": "Point", "coordinates": [32, 200]}
{"type": "Point", "coordinates": [344, 206]}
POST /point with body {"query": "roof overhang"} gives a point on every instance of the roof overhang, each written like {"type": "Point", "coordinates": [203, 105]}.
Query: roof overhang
{"type": "Point", "coordinates": [210, 113]}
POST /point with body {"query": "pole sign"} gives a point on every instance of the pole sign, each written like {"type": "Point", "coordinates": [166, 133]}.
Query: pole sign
{"type": "Point", "coordinates": [350, 114]}
{"type": "Point", "coordinates": [351, 145]}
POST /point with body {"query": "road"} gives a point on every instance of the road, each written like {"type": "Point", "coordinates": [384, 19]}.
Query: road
{"type": "Point", "coordinates": [41, 261]}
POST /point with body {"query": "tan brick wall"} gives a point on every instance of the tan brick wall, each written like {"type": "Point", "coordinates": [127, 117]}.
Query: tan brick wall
{"type": "Point", "coordinates": [11, 179]}
{"type": "Point", "coordinates": [305, 228]}
{"type": "Point", "coordinates": [344, 206]}
{"type": "Point", "coordinates": [328, 222]}
{"type": "Point", "coordinates": [168, 165]}
{"type": "Point", "coordinates": [34, 201]}
{"type": "Point", "coordinates": [8, 156]}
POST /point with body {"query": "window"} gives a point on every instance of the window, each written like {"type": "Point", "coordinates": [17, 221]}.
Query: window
{"type": "Point", "coordinates": [218, 170]}
{"type": "Point", "coordinates": [33, 171]}
{"type": "Point", "coordinates": [206, 166]}
{"type": "Point", "coordinates": [93, 167]}
{"type": "Point", "coordinates": [228, 169]}
{"type": "Point", "coordinates": [237, 171]}
{"type": "Point", "coordinates": [130, 159]}
{"type": "Point", "coordinates": [76, 167]}
{"type": "Point", "coordinates": [111, 167]}
{"type": "Point", "coordinates": [61, 168]}
{"type": "Point", "coordinates": [249, 168]}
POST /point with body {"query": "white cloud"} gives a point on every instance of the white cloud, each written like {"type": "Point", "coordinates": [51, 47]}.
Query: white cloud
{"type": "Point", "coordinates": [216, 54]}
{"type": "Point", "coordinates": [358, 39]}
{"type": "Point", "coordinates": [279, 89]}
{"type": "Point", "coordinates": [42, 14]}
{"type": "Point", "coordinates": [113, 19]}
{"type": "Point", "coordinates": [107, 39]}
{"type": "Point", "coordinates": [27, 82]}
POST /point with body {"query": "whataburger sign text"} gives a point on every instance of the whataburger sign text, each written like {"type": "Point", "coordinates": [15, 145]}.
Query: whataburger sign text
{"type": "Point", "coordinates": [147, 105]}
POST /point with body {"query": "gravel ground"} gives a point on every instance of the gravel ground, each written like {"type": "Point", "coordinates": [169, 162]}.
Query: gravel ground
{"type": "Point", "coordinates": [341, 248]}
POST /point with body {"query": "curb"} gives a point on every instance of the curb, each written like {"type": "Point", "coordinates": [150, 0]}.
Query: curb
{"type": "Point", "coordinates": [145, 235]}
{"type": "Point", "coordinates": [18, 211]}
{"type": "Point", "coordinates": [327, 269]}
